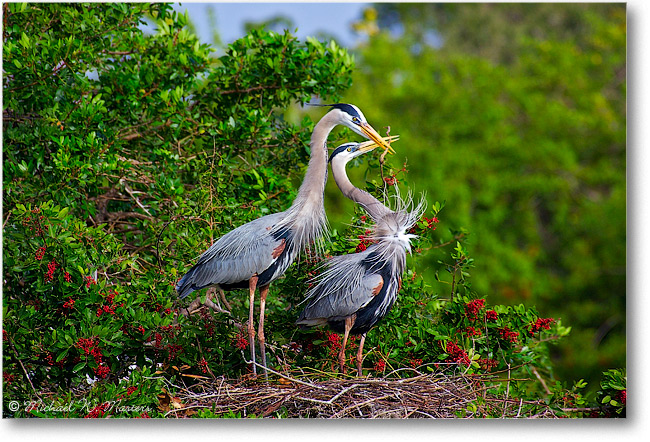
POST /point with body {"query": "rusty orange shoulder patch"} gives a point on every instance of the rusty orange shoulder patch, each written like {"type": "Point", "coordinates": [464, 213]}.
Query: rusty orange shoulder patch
{"type": "Point", "coordinates": [279, 249]}
{"type": "Point", "coordinates": [377, 289]}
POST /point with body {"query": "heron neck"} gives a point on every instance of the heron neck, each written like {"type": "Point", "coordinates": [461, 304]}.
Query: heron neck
{"type": "Point", "coordinates": [311, 193]}
{"type": "Point", "coordinates": [375, 208]}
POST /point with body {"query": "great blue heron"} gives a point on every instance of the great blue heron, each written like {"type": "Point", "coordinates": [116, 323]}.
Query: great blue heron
{"type": "Point", "coordinates": [257, 253]}
{"type": "Point", "coordinates": [357, 290]}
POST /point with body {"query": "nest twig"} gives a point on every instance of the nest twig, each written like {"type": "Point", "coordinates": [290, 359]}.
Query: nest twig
{"type": "Point", "coordinates": [421, 396]}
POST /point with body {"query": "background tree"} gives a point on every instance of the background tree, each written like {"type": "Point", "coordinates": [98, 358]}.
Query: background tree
{"type": "Point", "coordinates": [516, 113]}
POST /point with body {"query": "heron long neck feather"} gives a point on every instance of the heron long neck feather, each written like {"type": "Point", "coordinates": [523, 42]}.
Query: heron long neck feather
{"type": "Point", "coordinates": [313, 185]}
{"type": "Point", "coordinates": [306, 216]}
{"type": "Point", "coordinates": [375, 208]}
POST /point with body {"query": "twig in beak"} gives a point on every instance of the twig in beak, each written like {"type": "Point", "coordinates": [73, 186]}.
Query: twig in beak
{"type": "Point", "coordinates": [383, 155]}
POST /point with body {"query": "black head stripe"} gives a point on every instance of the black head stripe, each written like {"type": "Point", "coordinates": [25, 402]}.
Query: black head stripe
{"type": "Point", "coordinates": [347, 108]}
{"type": "Point", "coordinates": [340, 149]}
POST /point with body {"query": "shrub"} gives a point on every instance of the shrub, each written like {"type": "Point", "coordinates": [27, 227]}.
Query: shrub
{"type": "Point", "coordinates": [126, 154]}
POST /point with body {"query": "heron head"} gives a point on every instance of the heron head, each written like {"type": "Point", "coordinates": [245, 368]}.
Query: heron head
{"type": "Point", "coordinates": [351, 116]}
{"type": "Point", "coordinates": [346, 152]}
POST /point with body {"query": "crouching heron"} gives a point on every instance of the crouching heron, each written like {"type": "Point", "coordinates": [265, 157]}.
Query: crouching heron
{"type": "Point", "coordinates": [356, 291]}
{"type": "Point", "coordinates": [257, 253]}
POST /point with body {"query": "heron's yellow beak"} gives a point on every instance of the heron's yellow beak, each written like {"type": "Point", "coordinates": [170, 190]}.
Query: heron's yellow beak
{"type": "Point", "coordinates": [368, 146]}
{"type": "Point", "coordinates": [374, 136]}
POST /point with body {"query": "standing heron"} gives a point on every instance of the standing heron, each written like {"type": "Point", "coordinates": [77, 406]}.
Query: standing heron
{"type": "Point", "coordinates": [257, 253]}
{"type": "Point", "coordinates": [357, 290]}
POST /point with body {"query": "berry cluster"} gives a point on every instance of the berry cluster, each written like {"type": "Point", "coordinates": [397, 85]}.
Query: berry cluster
{"type": "Point", "coordinates": [33, 406]}
{"type": "Point", "coordinates": [203, 365]}
{"type": "Point", "coordinates": [51, 267]}
{"type": "Point", "coordinates": [40, 253]}
{"type": "Point", "coordinates": [90, 347]}
{"type": "Point", "coordinates": [380, 366]}
{"type": "Point", "coordinates": [241, 341]}
{"type": "Point", "coordinates": [473, 308]}
{"type": "Point", "coordinates": [473, 331]}
{"type": "Point", "coordinates": [49, 358]}
{"type": "Point", "coordinates": [8, 378]}
{"type": "Point", "coordinates": [86, 344]}
{"type": "Point", "coordinates": [98, 411]}
{"type": "Point", "coordinates": [208, 321]}
{"type": "Point", "coordinates": [89, 281]}
{"type": "Point", "coordinates": [541, 323]}
{"type": "Point", "coordinates": [171, 332]}
{"type": "Point", "coordinates": [97, 354]}
{"type": "Point", "coordinates": [415, 362]}
{"type": "Point", "coordinates": [174, 350]}
{"type": "Point", "coordinates": [431, 222]}
{"type": "Point", "coordinates": [391, 180]}
{"type": "Point", "coordinates": [110, 296]}
{"type": "Point", "coordinates": [110, 306]}
{"type": "Point", "coordinates": [491, 315]}
{"type": "Point", "coordinates": [69, 304]}
{"type": "Point", "coordinates": [102, 371]}
{"type": "Point", "coordinates": [457, 354]}
{"type": "Point", "coordinates": [364, 242]}
{"type": "Point", "coordinates": [35, 224]}
{"type": "Point", "coordinates": [622, 397]}
{"type": "Point", "coordinates": [132, 389]}
{"type": "Point", "coordinates": [67, 278]}
{"type": "Point", "coordinates": [333, 343]}
{"type": "Point", "coordinates": [509, 335]}
{"type": "Point", "coordinates": [110, 309]}
{"type": "Point", "coordinates": [487, 364]}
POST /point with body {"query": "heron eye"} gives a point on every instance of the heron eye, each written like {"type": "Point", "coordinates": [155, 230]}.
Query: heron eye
{"type": "Point", "coordinates": [349, 149]}
{"type": "Point", "coordinates": [355, 120]}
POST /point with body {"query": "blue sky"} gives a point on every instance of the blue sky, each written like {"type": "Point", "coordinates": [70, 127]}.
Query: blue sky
{"type": "Point", "coordinates": [310, 18]}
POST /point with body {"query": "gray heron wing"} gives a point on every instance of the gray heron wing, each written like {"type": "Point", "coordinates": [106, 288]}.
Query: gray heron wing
{"type": "Point", "coordinates": [343, 288]}
{"type": "Point", "coordinates": [237, 256]}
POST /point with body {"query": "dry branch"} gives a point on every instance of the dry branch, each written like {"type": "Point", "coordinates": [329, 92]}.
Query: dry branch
{"type": "Point", "coordinates": [422, 396]}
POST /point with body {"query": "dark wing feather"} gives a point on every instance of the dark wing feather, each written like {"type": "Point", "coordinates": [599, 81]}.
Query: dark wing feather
{"type": "Point", "coordinates": [237, 256]}
{"type": "Point", "coordinates": [346, 286]}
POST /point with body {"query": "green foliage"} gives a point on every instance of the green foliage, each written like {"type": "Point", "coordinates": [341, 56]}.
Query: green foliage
{"type": "Point", "coordinates": [127, 154]}
{"type": "Point", "coordinates": [136, 397]}
{"type": "Point", "coordinates": [613, 394]}
{"type": "Point", "coordinates": [431, 331]}
{"type": "Point", "coordinates": [521, 126]}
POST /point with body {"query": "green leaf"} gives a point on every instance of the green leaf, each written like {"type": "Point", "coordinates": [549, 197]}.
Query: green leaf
{"type": "Point", "coordinates": [24, 41]}
{"type": "Point", "coordinates": [62, 354]}
{"type": "Point", "coordinates": [63, 213]}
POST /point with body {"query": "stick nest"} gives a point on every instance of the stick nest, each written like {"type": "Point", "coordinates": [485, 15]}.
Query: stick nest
{"type": "Point", "coordinates": [421, 396]}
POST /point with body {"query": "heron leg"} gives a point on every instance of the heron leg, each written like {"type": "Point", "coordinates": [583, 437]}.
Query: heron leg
{"type": "Point", "coordinates": [264, 290]}
{"type": "Point", "coordinates": [252, 285]}
{"type": "Point", "coordinates": [360, 354]}
{"type": "Point", "coordinates": [349, 323]}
